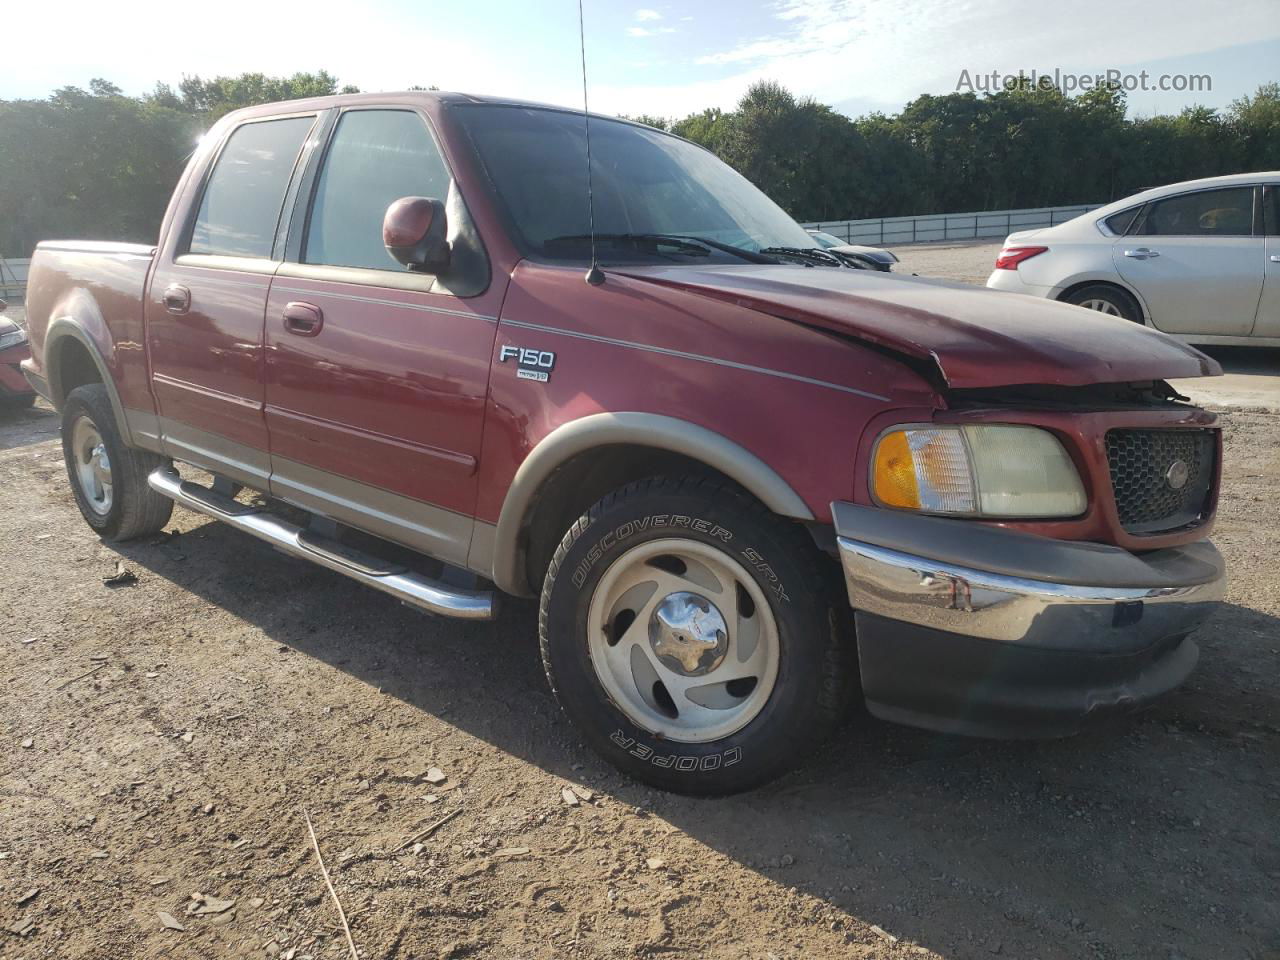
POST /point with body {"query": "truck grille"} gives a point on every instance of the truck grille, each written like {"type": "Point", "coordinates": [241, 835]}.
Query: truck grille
{"type": "Point", "coordinates": [1147, 468]}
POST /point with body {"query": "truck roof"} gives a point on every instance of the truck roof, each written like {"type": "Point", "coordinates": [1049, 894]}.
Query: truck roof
{"type": "Point", "coordinates": [398, 96]}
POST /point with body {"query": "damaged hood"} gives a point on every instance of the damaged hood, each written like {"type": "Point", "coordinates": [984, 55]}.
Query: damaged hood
{"type": "Point", "coordinates": [976, 337]}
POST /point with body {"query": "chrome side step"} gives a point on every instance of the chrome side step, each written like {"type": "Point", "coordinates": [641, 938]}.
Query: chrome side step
{"type": "Point", "coordinates": [412, 588]}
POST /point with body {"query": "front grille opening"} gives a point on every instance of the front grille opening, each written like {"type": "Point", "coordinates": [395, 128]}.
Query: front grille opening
{"type": "Point", "coordinates": [1161, 478]}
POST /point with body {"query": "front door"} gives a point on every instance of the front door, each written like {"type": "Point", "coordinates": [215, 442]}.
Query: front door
{"type": "Point", "coordinates": [1197, 261]}
{"type": "Point", "coordinates": [376, 376]}
{"type": "Point", "coordinates": [206, 300]}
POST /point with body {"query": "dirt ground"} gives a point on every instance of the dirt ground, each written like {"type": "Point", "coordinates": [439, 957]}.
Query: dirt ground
{"type": "Point", "coordinates": [164, 739]}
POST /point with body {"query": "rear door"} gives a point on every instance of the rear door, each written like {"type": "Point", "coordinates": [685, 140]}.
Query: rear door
{"type": "Point", "coordinates": [205, 304]}
{"type": "Point", "coordinates": [376, 376]}
{"type": "Point", "coordinates": [1268, 322]}
{"type": "Point", "coordinates": [1196, 258]}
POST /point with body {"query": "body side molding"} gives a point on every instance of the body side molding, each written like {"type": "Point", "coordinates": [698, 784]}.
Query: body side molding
{"type": "Point", "coordinates": [638, 429]}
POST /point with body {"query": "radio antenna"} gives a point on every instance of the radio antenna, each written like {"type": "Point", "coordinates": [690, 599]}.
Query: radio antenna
{"type": "Point", "coordinates": [595, 276]}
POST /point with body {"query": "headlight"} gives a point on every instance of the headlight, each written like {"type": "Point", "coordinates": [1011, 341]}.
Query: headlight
{"type": "Point", "coordinates": [982, 470]}
{"type": "Point", "coordinates": [12, 338]}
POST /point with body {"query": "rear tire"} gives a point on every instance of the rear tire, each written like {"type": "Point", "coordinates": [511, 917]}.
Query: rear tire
{"type": "Point", "coordinates": [693, 636]}
{"type": "Point", "coordinates": [1106, 299]}
{"type": "Point", "coordinates": [109, 479]}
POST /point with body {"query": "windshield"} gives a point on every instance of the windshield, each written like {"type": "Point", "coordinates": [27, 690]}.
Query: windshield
{"type": "Point", "coordinates": [645, 183]}
{"type": "Point", "coordinates": [826, 240]}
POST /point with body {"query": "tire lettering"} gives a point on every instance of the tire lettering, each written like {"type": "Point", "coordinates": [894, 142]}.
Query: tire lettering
{"type": "Point", "coordinates": [632, 527]}
{"type": "Point", "coordinates": [683, 763]}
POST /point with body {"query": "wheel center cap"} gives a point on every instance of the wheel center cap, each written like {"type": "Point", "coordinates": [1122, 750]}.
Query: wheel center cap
{"type": "Point", "coordinates": [688, 634]}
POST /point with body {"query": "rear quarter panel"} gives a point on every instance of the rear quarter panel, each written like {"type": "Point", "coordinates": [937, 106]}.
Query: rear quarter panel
{"type": "Point", "coordinates": [97, 289]}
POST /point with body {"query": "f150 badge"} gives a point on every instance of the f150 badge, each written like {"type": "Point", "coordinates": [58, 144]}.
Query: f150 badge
{"type": "Point", "coordinates": [530, 364]}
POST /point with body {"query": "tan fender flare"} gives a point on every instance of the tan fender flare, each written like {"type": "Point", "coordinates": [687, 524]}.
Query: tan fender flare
{"type": "Point", "coordinates": [636, 429]}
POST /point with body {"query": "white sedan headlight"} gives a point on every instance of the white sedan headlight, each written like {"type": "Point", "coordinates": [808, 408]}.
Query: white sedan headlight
{"type": "Point", "coordinates": [979, 470]}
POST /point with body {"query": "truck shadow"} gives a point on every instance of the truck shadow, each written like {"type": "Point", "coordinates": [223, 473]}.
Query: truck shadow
{"type": "Point", "coordinates": [1150, 838]}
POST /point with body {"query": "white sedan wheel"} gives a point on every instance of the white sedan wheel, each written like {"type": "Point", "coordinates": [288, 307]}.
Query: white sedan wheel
{"type": "Point", "coordinates": [1102, 306]}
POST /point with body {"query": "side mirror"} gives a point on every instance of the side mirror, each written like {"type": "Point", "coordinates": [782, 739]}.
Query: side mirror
{"type": "Point", "coordinates": [413, 232]}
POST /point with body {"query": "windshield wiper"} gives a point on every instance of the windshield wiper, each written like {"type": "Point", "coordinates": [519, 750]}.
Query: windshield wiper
{"type": "Point", "coordinates": [686, 243]}
{"type": "Point", "coordinates": [807, 254]}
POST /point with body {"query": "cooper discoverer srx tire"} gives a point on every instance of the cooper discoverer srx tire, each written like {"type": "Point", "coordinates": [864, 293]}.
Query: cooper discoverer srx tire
{"type": "Point", "coordinates": [692, 636]}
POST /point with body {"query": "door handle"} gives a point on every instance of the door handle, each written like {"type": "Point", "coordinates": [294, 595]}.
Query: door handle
{"type": "Point", "coordinates": [302, 319]}
{"type": "Point", "coordinates": [1275, 258]}
{"type": "Point", "coordinates": [1142, 253]}
{"type": "Point", "coordinates": [177, 299]}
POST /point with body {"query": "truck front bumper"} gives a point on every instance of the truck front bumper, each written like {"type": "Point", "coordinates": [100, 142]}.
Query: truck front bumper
{"type": "Point", "coordinates": [968, 628]}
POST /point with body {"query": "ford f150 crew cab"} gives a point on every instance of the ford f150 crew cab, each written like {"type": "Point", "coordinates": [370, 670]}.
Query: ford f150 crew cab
{"type": "Point", "coordinates": [746, 483]}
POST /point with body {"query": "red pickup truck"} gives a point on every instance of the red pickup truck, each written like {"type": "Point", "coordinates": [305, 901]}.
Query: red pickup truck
{"type": "Point", "coordinates": [746, 481]}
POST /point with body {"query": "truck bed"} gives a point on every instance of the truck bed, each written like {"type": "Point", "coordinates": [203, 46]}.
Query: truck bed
{"type": "Point", "coordinates": [100, 286]}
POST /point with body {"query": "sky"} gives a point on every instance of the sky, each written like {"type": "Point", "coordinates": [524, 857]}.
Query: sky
{"type": "Point", "coordinates": [652, 57]}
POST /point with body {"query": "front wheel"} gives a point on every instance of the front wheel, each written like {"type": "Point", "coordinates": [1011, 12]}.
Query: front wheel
{"type": "Point", "coordinates": [109, 479]}
{"type": "Point", "coordinates": [693, 636]}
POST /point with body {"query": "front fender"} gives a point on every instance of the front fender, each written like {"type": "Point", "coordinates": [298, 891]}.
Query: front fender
{"type": "Point", "coordinates": [639, 429]}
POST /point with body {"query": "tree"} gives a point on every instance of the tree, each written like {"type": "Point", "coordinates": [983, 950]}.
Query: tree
{"type": "Point", "coordinates": [210, 99]}
{"type": "Point", "coordinates": [98, 164]}
{"type": "Point", "coordinates": [658, 123]}
{"type": "Point", "coordinates": [1255, 125]}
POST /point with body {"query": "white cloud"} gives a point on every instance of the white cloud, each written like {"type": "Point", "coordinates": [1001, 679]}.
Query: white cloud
{"type": "Point", "coordinates": [886, 51]}
{"type": "Point", "coordinates": [644, 14]}
{"type": "Point", "coordinates": [648, 31]}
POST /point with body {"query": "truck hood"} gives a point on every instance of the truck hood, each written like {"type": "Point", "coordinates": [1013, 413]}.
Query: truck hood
{"type": "Point", "coordinates": [976, 337]}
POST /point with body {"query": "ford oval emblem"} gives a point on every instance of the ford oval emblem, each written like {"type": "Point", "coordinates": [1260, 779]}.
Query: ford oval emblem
{"type": "Point", "coordinates": [1177, 475]}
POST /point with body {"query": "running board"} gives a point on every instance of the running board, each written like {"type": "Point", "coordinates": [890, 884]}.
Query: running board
{"type": "Point", "coordinates": [412, 588]}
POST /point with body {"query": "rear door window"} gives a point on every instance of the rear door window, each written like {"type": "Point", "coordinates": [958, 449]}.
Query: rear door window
{"type": "Point", "coordinates": [241, 205]}
{"type": "Point", "coordinates": [1206, 213]}
{"type": "Point", "coordinates": [374, 158]}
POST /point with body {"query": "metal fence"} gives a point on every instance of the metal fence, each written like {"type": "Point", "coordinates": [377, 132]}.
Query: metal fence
{"type": "Point", "coordinates": [936, 227]}
{"type": "Point", "coordinates": [13, 279]}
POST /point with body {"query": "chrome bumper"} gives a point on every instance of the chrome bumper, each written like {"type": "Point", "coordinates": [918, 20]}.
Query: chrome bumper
{"type": "Point", "coordinates": [973, 629]}
{"type": "Point", "coordinates": [991, 606]}
{"type": "Point", "coordinates": [990, 583]}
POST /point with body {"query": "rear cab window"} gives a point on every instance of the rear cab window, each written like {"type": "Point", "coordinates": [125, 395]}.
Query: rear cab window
{"type": "Point", "coordinates": [239, 212]}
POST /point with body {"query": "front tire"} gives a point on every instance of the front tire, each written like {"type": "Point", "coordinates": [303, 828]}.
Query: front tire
{"type": "Point", "coordinates": [1107, 300]}
{"type": "Point", "coordinates": [109, 479]}
{"type": "Point", "coordinates": [693, 636]}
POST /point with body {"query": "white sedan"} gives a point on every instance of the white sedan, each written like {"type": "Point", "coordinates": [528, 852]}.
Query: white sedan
{"type": "Point", "coordinates": [1199, 260]}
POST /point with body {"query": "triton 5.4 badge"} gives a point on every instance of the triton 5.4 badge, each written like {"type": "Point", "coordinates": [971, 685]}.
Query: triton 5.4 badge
{"type": "Point", "coordinates": [530, 364]}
